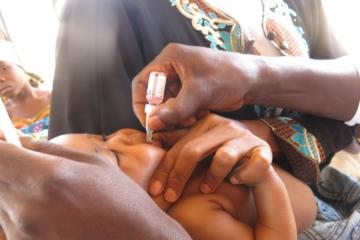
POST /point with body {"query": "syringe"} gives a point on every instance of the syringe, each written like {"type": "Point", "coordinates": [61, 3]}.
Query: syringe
{"type": "Point", "coordinates": [154, 96]}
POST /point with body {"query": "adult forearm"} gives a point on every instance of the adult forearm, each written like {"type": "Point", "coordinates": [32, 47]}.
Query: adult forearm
{"type": "Point", "coordinates": [329, 88]}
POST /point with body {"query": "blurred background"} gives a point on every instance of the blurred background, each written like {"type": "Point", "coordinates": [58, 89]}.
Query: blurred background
{"type": "Point", "coordinates": [32, 25]}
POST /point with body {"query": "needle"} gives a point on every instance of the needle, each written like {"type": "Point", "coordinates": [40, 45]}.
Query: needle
{"type": "Point", "coordinates": [149, 132]}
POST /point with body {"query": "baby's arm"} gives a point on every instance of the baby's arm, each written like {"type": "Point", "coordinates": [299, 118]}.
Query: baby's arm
{"type": "Point", "coordinates": [214, 216]}
{"type": "Point", "coordinates": [275, 218]}
{"type": "Point", "coordinates": [208, 217]}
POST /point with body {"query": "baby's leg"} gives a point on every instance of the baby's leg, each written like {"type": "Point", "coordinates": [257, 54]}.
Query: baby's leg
{"type": "Point", "coordinates": [208, 217]}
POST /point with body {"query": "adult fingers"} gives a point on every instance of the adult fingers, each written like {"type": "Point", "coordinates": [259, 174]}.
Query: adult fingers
{"type": "Point", "coordinates": [186, 123]}
{"type": "Point", "coordinates": [139, 99]}
{"type": "Point", "coordinates": [192, 120]}
{"type": "Point", "coordinates": [189, 154]}
{"type": "Point", "coordinates": [225, 159]}
{"type": "Point", "coordinates": [162, 63]}
{"type": "Point", "coordinates": [175, 110]}
{"type": "Point", "coordinates": [254, 167]}
{"type": "Point", "coordinates": [170, 138]}
{"type": "Point", "coordinates": [160, 176]}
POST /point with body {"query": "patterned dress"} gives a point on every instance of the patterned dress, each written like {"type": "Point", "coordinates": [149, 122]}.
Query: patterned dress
{"type": "Point", "coordinates": [92, 85]}
{"type": "Point", "coordinates": [282, 27]}
{"type": "Point", "coordinates": [37, 126]}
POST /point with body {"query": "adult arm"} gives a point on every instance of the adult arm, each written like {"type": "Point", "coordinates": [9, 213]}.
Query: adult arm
{"type": "Point", "coordinates": [328, 88]}
{"type": "Point", "coordinates": [50, 192]}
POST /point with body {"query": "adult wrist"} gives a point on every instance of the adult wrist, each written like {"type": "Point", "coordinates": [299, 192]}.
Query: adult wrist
{"type": "Point", "coordinates": [263, 131]}
{"type": "Point", "coordinates": [263, 82]}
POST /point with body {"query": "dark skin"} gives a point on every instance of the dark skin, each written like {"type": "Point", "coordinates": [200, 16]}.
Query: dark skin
{"type": "Point", "coordinates": [128, 151]}
{"type": "Point", "coordinates": [194, 86]}
{"type": "Point", "coordinates": [66, 194]}
{"type": "Point", "coordinates": [229, 141]}
{"type": "Point", "coordinates": [243, 79]}
{"type": "Point", "coordinates": [52, 182]}
{"type": "Point", "coordinates": [23, 100]}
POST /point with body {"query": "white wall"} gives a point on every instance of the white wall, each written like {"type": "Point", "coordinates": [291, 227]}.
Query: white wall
{"type": "Point", "coordinates": [33, 26]}
{"type": "Point", "coordinates": [345, 18]}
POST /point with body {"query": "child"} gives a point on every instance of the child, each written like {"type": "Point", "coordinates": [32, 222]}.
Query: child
{"type": "Point", "coordinates": [262, 211]}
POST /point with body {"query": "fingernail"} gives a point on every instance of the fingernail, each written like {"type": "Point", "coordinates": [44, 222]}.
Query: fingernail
{"type": "Point", "coordinates": [170, 195]}
{"type": "Point", "coordinates": [205, 188]}
{"type": "Point", "coordinates": [156, 124]}
{"type": "Point", "coordinates": [156, 188]}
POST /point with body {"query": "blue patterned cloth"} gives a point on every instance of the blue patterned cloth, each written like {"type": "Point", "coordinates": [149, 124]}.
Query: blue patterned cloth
{"type": "Point", "coordinates": [225, 33]}
{"type": "Point", "coordinates": [338, 200]}
{"type": "Point", "coordinates": [37, 130]}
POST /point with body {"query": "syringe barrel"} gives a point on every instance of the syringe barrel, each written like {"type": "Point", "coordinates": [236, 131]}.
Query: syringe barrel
{"type": "Point", "coordinates": [156, 88]}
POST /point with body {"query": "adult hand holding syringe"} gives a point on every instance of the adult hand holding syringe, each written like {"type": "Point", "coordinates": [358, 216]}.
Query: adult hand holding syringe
{"type": "Point", "coordinates": [198, 79]}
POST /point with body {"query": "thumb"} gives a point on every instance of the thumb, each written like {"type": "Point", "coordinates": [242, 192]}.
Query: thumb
{"type": "Point", "coordinates": [175, 110]}
{"type": "Point", "coordinates": [168, 139]}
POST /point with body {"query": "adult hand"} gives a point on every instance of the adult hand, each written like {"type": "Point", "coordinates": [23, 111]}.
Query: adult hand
{"type": "Point", "coordinates": [197, 79]}
{"type": "Point", "coordinates": [50, 192]}
{"type": "Point", "coordinates": [237, 151]}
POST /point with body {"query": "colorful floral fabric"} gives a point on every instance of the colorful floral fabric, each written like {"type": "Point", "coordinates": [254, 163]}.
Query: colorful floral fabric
{"type": "Point", "coordinates": [37, 127]}
{"type": "Point", "coordinates": [302, 149]}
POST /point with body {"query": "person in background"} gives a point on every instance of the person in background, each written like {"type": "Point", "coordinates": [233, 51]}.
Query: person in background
{"type": "Point", "coordinates": [27, 104]}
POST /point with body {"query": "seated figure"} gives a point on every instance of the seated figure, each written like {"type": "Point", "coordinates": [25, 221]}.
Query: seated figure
{"type": "Point", "coordinates": [27, 105]}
